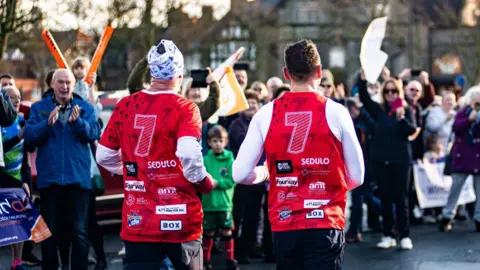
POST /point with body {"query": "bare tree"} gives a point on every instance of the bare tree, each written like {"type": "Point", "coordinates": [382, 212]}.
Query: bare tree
{"type": "Point", "coordinates": [118, 11]}
{"type": "Point", "coordinates": [14, 17]}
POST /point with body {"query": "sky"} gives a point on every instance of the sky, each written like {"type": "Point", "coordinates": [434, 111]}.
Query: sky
{"type": "Point", "coordinates": [59, 19]}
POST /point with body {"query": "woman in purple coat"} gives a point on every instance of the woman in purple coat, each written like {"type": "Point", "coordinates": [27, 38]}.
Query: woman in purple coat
{"type": "Point", "coordinates": [465, 156]}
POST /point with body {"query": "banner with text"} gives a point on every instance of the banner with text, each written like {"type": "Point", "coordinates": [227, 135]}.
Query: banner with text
{"type": "Point", "coordinates": [433, 187]}
{"type": "Point", "coordinates": [19, 220]}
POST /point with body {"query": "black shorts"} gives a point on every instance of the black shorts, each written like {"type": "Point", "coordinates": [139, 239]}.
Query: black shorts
{"type": "Point", "coordinates": [315, 249]}
{"type": "Point", "coordinates": [149, 256]}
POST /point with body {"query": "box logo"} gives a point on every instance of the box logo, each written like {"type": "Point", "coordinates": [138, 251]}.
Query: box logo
{"type": "Point", "coordinates": [171, 225]}
{"type": "Point", "coordinates": [317, 213]}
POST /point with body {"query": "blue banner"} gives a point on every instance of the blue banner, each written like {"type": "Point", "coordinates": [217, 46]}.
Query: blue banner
{"type": "Point", "coordinates": [19, 219]}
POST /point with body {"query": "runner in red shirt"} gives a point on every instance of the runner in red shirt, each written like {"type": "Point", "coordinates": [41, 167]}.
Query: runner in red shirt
{"type": "Point", "coordinates": [152, 139]}
{"type": "Point", "coordinates": [313, 158]}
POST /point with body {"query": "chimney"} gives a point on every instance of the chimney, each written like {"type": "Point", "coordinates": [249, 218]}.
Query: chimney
{"type": "Point", "coordinates": [207, 13]}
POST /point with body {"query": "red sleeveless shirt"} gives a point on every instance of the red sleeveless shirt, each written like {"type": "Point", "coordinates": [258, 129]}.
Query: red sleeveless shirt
{"type": "Point", "coordinates": [306, 165]}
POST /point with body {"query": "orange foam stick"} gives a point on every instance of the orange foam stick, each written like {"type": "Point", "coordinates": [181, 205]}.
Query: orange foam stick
{"type": "Point", "coordinates": [53, 47]}
{"type": "Point", "coordinates": [102, 46]}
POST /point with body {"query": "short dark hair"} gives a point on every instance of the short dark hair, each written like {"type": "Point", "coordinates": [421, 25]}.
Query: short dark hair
{"type": "Point", "coordinates": [49, 77]}
{"type": "Point", "coordinates": [217, 132]}
{"type": "Point", "coordinates": [250, 94]}
{"type": "Point", "coordinates": [6, 76]}
{"type": "Point", "coordinates": [281, 89]}
{"type": "Point", "coordinates": [301, 59]}
{"type": "Point", "coordinates": [352, 103]}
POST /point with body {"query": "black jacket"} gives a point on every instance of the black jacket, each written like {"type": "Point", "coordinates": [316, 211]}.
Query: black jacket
{"type": "Point", "coordinates": [418, 145]}
{"type": "Point", "coordinates": [390, 140]}
{"type": "Point", "coordinates": [7, 112]}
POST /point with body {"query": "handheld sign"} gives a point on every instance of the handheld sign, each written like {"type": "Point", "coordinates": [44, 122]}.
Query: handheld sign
{"type": "Point", "coordinates": [372, 58]}
{"type": "Point", "coordinates": [232, 98]}
{"type": "Point", "coordinates": [221, 70]}
{"type": "Point", "coordinates": [19, 220]}
{"type": "Point", "coordinates": [53, 47]}
{"type": "Point", "coordinates": [102, 46]}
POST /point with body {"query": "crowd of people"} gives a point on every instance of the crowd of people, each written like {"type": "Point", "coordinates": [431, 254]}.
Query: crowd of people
{"type": "Point", "coordinates": [398, 120]}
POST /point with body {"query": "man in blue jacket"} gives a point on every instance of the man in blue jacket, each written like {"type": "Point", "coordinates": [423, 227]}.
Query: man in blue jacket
{"type": "Point", "coordinates": [61, 126]}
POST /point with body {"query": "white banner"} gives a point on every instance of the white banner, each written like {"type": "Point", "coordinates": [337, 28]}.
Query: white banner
{"type": "Point", "coordinates": [433, 187]}
{"type": "Point", "coordinates": [372, 58]}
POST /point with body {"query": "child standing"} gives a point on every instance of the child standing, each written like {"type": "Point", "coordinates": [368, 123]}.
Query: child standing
{"type": "Point", "coordinates": [218, 205]}
{"type": "Point", "coordinates": [434, 153]}
{"type": "Point", "coordinates": [435, 149]}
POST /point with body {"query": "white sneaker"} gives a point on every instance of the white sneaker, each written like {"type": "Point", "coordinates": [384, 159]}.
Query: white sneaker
{"type": "Point", "coordinates": [406, 243]}
{"type": "Point", "coordinates": [387, 242]}
{"type": "Point", "coordinates": [122, 251]}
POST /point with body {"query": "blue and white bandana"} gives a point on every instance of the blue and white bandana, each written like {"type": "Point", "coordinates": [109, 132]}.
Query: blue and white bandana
{"type": "Point", "coordinates": [165, 61]}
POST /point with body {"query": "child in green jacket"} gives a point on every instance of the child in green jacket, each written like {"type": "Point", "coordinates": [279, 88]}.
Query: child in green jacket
{"type": "Point", "coordinates": [218, 205]}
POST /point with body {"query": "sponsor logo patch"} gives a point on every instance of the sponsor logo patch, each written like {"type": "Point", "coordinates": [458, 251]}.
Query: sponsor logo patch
{"type": "Point", "coordinates": [174, 209]}
{"type": "Point", "coordinates": [133, 220]}
{"type": "Point", "coordinates": [142, 201]}
{"type": "Point", "coordinates": [132, 168]}
{"type": "Point", "coordinates": [161, 164]}
{"type": "Point", "coordinates": [314, 203]}
{"type": "Point", "coordinates": [283, 166]}
{"type": "Point", "coordinates": [289, 196]}
{"type": "Point", "coordinates": [315, 161]}
{"type": "Point", "coordinates": [284, 213]}
{"type": "Point", "coordinates": [135, 186]}
{"type": "Point", "coordinates": [130, 200]}
{"type": "Point", "coordinates": [167, 192]}
{"type": "Point", "coordinates": [286, 181]}
{"type": "Point", "coordinates": [171, 225]}
{"type": "Point", "coordinates": [317, 213]}
{"type": "Point", "coordinates": [316, 187]}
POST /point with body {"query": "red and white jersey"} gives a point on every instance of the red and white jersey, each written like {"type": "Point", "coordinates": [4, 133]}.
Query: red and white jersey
{"type": "Point", "coordinates": [160, 204]}
{"type": "Point", "coordinates": [313, 158]}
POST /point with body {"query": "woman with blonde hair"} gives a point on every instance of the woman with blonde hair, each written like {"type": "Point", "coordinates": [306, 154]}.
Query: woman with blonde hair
{"type": "Point", "coordinates": [390, 157]}
{"type": "Point", "coordinates": [261, 90]}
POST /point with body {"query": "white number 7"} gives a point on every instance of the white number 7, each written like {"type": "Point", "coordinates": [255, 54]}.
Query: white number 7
{"type": "Point", "coordinates": [301, 123]}
{"type": "Point", "coordinates": [146, 123]}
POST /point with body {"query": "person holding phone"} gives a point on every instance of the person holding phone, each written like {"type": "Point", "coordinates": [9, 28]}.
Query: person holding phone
{"type": "Point", "coordinates": [390, 157]}
{"type": "Point", "coordinates": [465, 157]}
{"type": "Point", "coordinates": [428, 94]}
{"type": "Point", "coordinates": [203, 78]}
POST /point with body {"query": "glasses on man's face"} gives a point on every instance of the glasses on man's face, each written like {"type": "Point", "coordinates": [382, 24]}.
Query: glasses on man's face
{"type": "Point", "coordinates": [7, 84]}
{"type": "Point", "coordinates": [257, 89]}
{"type": "Point", "coordinates": [414, 90]}
{"type": "Point", "coordinates": [390, 91]}
{"type": "Point", "coordinates": [326, 85]}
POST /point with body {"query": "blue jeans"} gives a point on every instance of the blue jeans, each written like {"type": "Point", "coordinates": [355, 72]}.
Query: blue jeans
{"type": "Point", "coordinates": [65, 210]}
